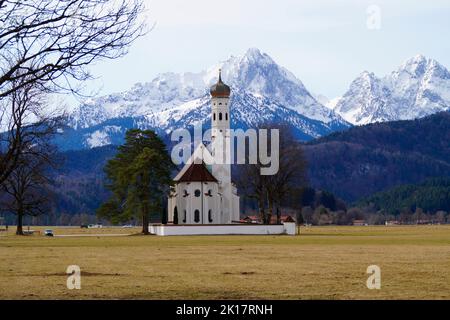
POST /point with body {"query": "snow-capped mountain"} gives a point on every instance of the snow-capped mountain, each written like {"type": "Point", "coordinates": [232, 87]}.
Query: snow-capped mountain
{"type": "Point", "coordinates": [418, 88]}
{"type": "Point", "coordinates": [262, 91]}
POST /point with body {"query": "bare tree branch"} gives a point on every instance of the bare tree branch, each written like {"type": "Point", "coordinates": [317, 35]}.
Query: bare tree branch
{"type": "Point", "coordinates": [45, 40]}
{"type": "Point", "coordinates": [24, 188]}
{"type": "Point", "coordinates": [46, 46]}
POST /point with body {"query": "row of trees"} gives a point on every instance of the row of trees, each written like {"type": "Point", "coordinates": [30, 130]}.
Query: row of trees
{"type": "Point", "coordinates": [52, 218]}
{"type": "Point", "coordinates": [46, 47]}
{"type": "Point", "coordinates": [325, 216]}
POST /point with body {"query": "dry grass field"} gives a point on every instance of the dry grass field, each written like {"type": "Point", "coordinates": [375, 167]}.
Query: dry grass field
{"type": "Point", "coordinates": [320, 263]}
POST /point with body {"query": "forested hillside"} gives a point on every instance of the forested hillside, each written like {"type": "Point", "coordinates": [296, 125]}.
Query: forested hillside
{"type": "Point", "coordinates": [431, 195]}
{"type": "Point", "coordinates": [360, 161]}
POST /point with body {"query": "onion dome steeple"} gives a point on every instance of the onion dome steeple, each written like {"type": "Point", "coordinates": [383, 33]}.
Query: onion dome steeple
{"type": "Point", "coordinates": [220, 89]}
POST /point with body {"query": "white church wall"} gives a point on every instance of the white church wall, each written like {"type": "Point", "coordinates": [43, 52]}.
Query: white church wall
{"type": "Point", "coordinates": [241, 229]}
{"type": "Point", "coordinates": [210, 202]}
{"type": "Point", "coordinates": [190, 203]}
{"type": "Point", "coordinates": [235, 208]}
{"type": "Point", "coordinates": [289, 228]}
{"type": "Point", "coordinates": [170, 208]}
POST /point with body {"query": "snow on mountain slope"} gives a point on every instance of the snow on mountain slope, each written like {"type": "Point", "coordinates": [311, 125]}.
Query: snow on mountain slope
{"type": "Point", "coordinates": [419, 87]}
{"type": "Point", "coordinates": [261, 92]}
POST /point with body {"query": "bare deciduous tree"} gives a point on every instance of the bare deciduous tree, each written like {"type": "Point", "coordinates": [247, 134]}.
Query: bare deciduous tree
{"type": "Point", "coordinates": [290, 176]}
{"type": "Point", "coordinates": [270, 191]}
{"type": "Point", "coordinates": [46, 45]}
{"type": "Point", "coordinates": [253, 185]}
{"type": "Point", "coordinates": [50, 42]}
{"type": "Point", "coordinates": [25, 125]}
{"type": "Point", "coordinates": [26, 190]}
{"type": "Point", "coordinates": [28, 153]}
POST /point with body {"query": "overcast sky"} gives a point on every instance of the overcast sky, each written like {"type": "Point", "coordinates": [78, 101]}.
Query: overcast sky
{"type": "Point", "coordinates": [326, 44]}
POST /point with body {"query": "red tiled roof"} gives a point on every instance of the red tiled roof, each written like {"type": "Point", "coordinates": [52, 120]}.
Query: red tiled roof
{"type": "Point", "coordinates": [289, 219]}
{"type": "Point", "coordinates": [197, 172]}
{"type": "Point", "coordinates": [283, 218]}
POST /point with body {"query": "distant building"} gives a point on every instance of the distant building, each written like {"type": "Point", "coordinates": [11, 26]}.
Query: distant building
{"type": "Point", "coordinates": [288, 219]}
{"type": "Point", "coordinates": [273, 220]}
{"type": "Point", "coordinates": [424, 221]}
{"type": "Point", "coordinates": [359, 223]}
{"type": "Point", "coordinates": [392, 222]}
{"type": "Point", "coordinates": [251, 219]}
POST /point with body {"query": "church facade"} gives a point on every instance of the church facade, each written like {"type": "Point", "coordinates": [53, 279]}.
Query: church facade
{"type": "Point", "coordinates": [204, 194]}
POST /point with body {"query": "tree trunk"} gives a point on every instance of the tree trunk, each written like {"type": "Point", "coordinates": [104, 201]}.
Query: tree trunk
{"type": "Point", "coordinates": [145, 219]}
{"type": "Point", "coordinates": [19, 230]}
{"type": "Point", "coordinates": [270, 209]}
{"type": "Point", "coordinates": [299, 219]}
{"type": "Point", "coordinates": [262, 215]}
{"type": "Point", "coordinates": [164, 215]}
{"type": "Point", "coordinates": [278, 215]}
{"type": "Point", "coordinates": [145, 224]}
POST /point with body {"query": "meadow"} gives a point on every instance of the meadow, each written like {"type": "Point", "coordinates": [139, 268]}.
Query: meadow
{"type": "Point", "coordinates": [320, 263]}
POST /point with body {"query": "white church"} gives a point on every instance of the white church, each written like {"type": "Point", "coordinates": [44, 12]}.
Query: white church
{"type": "Point", "coordinates": [204, 201]}
{"type": "Point", "coordinates": [202, 195]}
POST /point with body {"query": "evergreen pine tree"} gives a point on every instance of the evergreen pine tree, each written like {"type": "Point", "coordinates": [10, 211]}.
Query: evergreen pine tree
{"type": "Point", "coordinates": [138, 177]}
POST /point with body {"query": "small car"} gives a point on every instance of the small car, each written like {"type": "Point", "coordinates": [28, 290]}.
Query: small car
{"type": "Point", "coordinates": [84, 226]}
{"type": "Point", "coordinates": [48, 233]}
{"type": "Point", "coordinates": [94, 226]}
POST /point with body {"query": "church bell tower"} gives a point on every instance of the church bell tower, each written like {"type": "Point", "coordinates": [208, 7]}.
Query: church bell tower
{"type": "Point", "coordinates": [221, 147]}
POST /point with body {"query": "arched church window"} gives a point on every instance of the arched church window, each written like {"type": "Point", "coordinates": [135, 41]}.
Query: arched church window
{"type": "Point", "coordinates": [197, 216]}
{"type": "Point", "coordinates": [210, 219]}
{"type": "Point", "coordinates": [209, 193]}
{"type": "Point", "coordinates": [175, 215]}
{"type": "Point", "coordinates": [226, 116]}
{"type": "Point", "coordinates": [184, 220]}
{"type": "Point", "coordinates": [185, 193]}
{"type": "Point", "coordinates": [220, 116]}
{"type": "Point", "coordinates": [214, 116]}
{"type": "Point", "coordinates": [197, 193]}
{"type": "Point", "coordinates": [220, 103]}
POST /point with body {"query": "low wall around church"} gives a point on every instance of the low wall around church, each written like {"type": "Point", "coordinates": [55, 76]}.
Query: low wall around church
{"type": "Point", "coordinates": [236, 229]}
